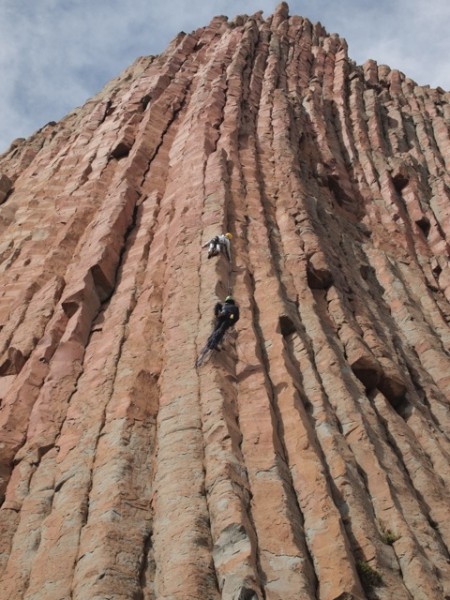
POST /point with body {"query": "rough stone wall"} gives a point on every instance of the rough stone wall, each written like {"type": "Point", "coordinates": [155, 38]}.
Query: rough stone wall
{"type": "Point", "coordinates": [310, 458]}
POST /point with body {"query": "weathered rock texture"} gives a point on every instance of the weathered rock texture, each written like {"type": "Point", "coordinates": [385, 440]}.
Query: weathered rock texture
{"type": "Point", "coordinates": [311, 457]}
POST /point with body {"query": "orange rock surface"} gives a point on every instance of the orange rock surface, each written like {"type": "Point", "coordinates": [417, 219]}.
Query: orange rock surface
{"type": "Point", "coordinates": [309, 460]}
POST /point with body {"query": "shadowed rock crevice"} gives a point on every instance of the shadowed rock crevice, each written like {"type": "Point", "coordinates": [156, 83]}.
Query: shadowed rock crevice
{"type": "Point", "coordinates": [282, 458]}
{"type": "Point", "coordinates": [287, 327]}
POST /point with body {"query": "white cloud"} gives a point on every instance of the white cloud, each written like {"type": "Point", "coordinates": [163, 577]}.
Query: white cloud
{"type": "Point", "coordinates": [54, 54]}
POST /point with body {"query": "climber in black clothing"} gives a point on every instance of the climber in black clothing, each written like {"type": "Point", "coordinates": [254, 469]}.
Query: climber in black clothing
{"type": "Point", "coordinates": [227, 315]}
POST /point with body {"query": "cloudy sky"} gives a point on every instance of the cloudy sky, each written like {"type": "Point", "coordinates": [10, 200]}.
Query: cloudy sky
{"type": "Point", "coordinates": [55, 54]}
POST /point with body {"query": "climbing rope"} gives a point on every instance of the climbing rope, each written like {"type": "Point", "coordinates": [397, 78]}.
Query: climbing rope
{"type": "Point", "coordinates": [229, 287]}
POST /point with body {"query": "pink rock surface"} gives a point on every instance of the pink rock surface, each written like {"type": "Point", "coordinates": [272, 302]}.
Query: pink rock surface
{"type": "Point", "coordinates": [310, 458]}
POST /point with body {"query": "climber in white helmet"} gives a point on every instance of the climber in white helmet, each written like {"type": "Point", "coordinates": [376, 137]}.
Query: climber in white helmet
{"type": "Point", "coordinates": [218, 244]}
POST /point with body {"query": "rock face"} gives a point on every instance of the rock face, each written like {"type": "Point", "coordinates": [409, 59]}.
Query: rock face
{"type": "Point", "coordinates": [310, 458]}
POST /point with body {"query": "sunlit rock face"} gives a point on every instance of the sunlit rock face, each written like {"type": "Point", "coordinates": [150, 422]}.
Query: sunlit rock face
{"type": "Point", "coordinates": [309, 459]}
